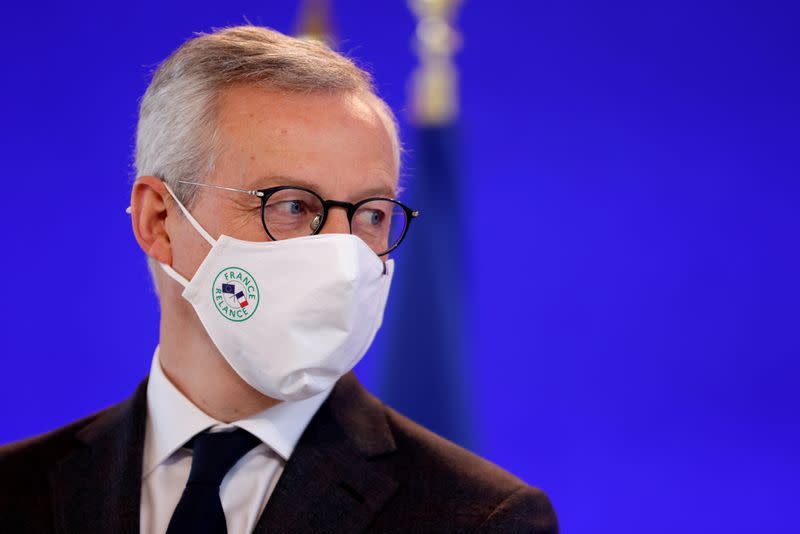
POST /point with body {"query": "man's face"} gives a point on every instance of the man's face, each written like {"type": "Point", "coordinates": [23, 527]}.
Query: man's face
{"type": "Point", "coordinates": [336, 145]}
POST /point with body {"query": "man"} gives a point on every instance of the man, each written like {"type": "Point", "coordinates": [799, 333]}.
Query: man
{"type": "Point", "coordinates": [267, 170]}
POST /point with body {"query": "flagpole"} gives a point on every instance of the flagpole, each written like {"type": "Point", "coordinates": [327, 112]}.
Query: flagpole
{"type": "Point", "coordinates": [427, 362]}
{"type": "Point", "coordinates": [434, 83]}
{"type": "Point", "coordinates": [315, 21]}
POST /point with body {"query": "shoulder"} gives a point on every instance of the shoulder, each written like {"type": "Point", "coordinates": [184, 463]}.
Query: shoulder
{"type": "Point", "coordinates": [45, 450]}
{"type": "Point", "coordinates": [469, 490]}
{"type": "Point", "coordinates": [26, 463]}
{"type": "Point", "coordinates": [38, 453]}
{"type": "Point", "coordinates": [25, 468]}
{"type": "Point", "coordinates": [440, 487]}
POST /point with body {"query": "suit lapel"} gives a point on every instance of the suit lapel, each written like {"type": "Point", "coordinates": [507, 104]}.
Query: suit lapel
{"type": "Point", "coordinates": [330, 483]}
{"type": "Point", "coordinates": [97, 487]}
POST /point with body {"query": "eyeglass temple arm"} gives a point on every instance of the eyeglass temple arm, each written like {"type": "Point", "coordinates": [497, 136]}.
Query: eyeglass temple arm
{"type": "Point", "coordinates": [414, 214]}
{"type": "Point", "coordinates": [249, 192]}
{"type": "Point", "coordinates": [253, 192]}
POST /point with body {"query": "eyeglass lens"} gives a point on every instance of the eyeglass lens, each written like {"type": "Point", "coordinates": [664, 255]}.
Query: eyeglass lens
{"type": "Point", "coordinates": [292, 213]}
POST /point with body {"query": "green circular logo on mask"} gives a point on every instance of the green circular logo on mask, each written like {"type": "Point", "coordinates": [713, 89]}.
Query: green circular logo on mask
{"type": "Point", "coordinates": [235, 294]}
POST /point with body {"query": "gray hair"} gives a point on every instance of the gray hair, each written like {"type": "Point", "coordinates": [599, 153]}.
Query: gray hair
{"type": "Point", "coordinates": [177, 138]}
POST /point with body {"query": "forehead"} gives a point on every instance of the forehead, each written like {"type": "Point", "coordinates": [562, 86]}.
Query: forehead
{"type": "Point", "coordinates": [336, 142]}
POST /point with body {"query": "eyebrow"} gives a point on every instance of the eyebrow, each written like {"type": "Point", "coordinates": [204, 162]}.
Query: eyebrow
{"type": "Point", "coordinates": [272, 180]}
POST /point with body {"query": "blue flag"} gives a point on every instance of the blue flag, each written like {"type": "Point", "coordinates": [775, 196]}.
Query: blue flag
{"type": "Point", "coordinates": [424, 374]}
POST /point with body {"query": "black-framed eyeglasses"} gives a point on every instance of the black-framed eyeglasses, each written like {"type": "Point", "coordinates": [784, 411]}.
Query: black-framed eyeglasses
{"type": "Point", "coordinates": [289, 211]}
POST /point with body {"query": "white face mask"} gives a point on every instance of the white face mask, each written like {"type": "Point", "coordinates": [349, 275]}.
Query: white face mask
{"type": "Point", "coordinates": [292, 316]}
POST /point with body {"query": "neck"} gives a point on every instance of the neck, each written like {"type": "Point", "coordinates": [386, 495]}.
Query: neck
{"type": "Point", "coordinates": [191, 361]}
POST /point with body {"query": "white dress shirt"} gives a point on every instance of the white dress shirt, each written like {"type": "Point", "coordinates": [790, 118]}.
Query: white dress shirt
{"type": "Point", "coordinates": [172, 420]}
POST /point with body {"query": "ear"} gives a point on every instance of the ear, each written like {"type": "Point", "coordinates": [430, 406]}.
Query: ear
{"type": "Point", "coordinates": [149, 218]}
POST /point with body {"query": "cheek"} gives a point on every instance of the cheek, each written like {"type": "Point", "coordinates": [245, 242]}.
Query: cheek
{"type": "Point", "coordinates": [246, 225]}
{"type": "Point", "coordinates": [189, 249]}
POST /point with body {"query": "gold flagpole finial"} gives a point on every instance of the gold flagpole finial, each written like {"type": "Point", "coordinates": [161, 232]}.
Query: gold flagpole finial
{"type": "Point", "coordinates": [434, 83]}
{"type": "Point", "coordinates": [315, 21]}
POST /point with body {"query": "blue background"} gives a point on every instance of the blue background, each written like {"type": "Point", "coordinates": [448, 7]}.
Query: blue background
{"type": "Point", "coordinates": [631, 193]}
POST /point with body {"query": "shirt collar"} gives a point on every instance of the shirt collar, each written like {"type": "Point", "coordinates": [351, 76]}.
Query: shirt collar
{"type": "Point", "coordinates": [172, 420]}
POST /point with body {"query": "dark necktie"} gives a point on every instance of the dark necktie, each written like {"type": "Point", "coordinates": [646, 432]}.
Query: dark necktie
{"type": "Point", "coordinates": [214, 453]}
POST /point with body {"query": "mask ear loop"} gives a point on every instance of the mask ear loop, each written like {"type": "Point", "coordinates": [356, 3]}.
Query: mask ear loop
{"type": "Point", "coordinates": [196, 225]}
{"type": "Point", "coordinates": [175, 275]}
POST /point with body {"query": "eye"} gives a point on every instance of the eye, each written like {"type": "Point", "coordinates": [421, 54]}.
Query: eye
{"type": "Point", "coordinates": [290, 207]}
{"type": "Point", "coordinates": [371, 217]}
{"type": "Point", "coordinates": [376, 217]}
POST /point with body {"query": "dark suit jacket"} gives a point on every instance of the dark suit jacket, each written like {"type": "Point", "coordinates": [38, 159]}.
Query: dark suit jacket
{"type": "Point", "coordinates": [359, 467]}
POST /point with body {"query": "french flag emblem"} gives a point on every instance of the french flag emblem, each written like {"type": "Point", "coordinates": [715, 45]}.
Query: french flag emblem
{"type": "Point", "coordinates": [240, 298]}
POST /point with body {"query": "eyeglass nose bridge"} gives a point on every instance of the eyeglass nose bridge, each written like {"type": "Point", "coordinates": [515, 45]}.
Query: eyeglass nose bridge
{"type": "Point", "coordinates": [319, 221]}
